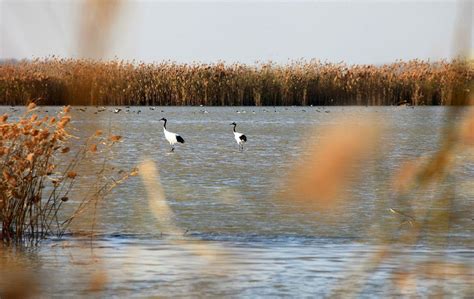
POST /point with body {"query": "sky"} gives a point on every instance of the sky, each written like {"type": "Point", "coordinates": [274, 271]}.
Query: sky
{"type": "Point", "coordinates": [236, 31]}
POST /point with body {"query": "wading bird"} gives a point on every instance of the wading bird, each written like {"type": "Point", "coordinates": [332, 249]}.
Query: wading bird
{"type": "Point", "coordinates": [239, 137]}
{"type": "Point", "coordinates": [172, 138]}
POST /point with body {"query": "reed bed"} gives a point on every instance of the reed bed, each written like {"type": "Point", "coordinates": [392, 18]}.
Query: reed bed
{"type": "Point", "coordinates": [39, 168]}
{"type": "Point", "coordinates": [86, 82]}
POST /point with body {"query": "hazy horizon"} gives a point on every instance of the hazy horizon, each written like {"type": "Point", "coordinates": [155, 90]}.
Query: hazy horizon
{"type": "Point", "coordinates": [240, 31]}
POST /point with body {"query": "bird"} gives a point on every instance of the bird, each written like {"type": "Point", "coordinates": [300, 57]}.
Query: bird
{"type": "Point", "coordinates": [117, 110]}
{"type": "Point", "coordinates": [239, 137]}
{"type": "Point", "coordinates": [172, 138]}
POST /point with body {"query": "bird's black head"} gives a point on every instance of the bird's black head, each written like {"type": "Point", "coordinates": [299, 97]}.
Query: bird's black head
{"type": "Point", "coordinates": [233, 124]}
{"type": "Point", "coordinates": [163, 119]}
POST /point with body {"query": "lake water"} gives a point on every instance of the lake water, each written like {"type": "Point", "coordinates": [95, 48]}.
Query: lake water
{"type": "Point", "coordinates": [241, 239]}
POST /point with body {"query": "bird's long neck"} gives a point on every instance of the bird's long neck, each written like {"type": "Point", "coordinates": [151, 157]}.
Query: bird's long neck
{"type": "Point", "coordinates": [234, 127]}
{"type": "Point", "coordinates": [164, 124]}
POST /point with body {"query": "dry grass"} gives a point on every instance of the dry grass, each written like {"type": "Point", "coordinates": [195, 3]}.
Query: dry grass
{"type": "Point", "coordinates": [86, 82]}
{"type": "Point", "coordinates": [39, 171]}
{"type": "Point", "coordinates": [319, 179]}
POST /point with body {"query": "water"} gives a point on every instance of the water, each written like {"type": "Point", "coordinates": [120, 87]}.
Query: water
{"type": "Point", "coordinates": [241, 239]}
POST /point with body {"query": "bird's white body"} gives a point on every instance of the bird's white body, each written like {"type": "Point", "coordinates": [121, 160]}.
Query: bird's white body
{"type": "Point", "coordinates": [237, 136]}
{"type": "Point", "coordinates": [171, 137]}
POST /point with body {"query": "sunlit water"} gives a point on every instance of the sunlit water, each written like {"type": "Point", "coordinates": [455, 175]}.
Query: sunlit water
{"type": "Point", "coordinates": [256, 244]}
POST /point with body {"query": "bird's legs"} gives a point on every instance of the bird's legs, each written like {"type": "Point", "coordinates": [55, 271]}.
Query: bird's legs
{"type": "Point", "coordinates": [172, 149]}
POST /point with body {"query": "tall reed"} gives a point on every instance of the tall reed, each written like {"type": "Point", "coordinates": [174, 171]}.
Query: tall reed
{"type": "Point", "coordinates": [39, 169]}
{"type": "Point", "coordinates": [87, 82]}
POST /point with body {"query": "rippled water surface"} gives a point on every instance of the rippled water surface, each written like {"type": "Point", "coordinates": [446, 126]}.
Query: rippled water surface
{"type": "Point", "coordinates": [241, 239]}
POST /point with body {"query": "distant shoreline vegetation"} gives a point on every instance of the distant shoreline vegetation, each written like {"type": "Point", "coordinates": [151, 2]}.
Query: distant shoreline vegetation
{"type": "Point", "coordinates": [55, 81]}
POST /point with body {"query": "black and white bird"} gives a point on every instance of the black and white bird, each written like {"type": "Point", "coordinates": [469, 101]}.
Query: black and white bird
{"type": "Point", "coordinates": [239, 137]}
{"type": "Point", "coordinates": [172, 138]}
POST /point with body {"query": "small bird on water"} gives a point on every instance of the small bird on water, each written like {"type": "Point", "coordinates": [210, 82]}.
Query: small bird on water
{"type": "Point", "coordinates": [239, 137]}
{"type": "Point", "coordinates": [172, 138]}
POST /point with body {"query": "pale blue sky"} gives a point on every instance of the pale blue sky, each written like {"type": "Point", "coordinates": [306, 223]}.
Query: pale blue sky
{"type": "Point", "coordinates": [245, 31]}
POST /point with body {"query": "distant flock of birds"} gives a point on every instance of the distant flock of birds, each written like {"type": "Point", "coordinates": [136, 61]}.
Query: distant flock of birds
{"type": "Point", "coordinates": [174, 138]}
{"type": "Point", "coordinates": [204, 111]}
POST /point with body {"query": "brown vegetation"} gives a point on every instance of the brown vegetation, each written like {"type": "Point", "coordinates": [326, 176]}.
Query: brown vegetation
{"type": "Point", "coordinates": [86, 82]}
{"type": "Point", "coordinates": [39, 171]}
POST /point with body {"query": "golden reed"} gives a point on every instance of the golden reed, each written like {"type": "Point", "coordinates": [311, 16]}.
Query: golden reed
{"type": "Point", "coordinates": [39, 168]}
{"type": "Point", "coordinates": [57, 81]}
